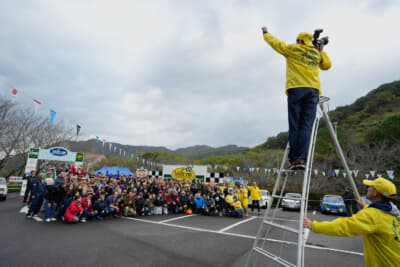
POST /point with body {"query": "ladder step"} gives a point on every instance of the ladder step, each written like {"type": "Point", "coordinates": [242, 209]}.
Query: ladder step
{"type": "Point", "coordinates": [292, 198]}
{"type": "Point", "coordinates": [283, 227]}
{"type": "Point", "coordinates": [273, 257]}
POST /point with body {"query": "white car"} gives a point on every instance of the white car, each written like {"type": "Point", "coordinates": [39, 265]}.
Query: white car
{"type": "Point", "coordinates": [291, 201]}
{"type": "Point", "coordinates": [265, 198]}
{"type": "Point", "coordinates": [3, 188]}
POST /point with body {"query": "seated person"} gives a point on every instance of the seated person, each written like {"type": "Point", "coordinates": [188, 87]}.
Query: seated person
{"type": "Point", "coordinates": [199, 204]}
{"type": "Point", "coordinates": [237, 205]}
{"type": "Point", "coordinates": [74, 210]}
{"type": "Point", "coordinates": [210, 206]}
{"type": "Point", "coordinates": [101, 206]}
{"type": "Point", "coordinates": [87, 205]}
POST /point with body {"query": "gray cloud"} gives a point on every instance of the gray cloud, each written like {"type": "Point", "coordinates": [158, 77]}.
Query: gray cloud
{"type": "Point", "coordinates": [183, 73]}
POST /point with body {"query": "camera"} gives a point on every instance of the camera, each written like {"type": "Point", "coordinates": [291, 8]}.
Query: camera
{"type": "Point", "coordinates": [316, 42]}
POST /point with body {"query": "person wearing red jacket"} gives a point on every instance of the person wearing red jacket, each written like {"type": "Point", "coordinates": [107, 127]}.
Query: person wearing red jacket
{"type": "Point", "coordinates": [74, 210]}
{"type": "Point", "coordinates": [173, 202]}
{"type": "Point", "coordinates": [87, 205]}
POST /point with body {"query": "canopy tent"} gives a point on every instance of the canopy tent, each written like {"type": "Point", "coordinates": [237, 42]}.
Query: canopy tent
{"type": "Point", "coordinates": [113, 170]}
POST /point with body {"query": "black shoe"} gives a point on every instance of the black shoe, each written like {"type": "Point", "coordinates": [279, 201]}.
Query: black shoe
{"type": "Point", "coordinates": [298, 165]}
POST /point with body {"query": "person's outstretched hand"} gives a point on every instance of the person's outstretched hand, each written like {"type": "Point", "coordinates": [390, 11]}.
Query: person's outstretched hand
{"type": "Point", "coordinates": [307, 223]}
{"type": "Point", "coordinates": [361, 202]}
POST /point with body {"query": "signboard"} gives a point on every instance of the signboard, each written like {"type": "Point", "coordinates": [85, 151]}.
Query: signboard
{"type": "Point", "coordinates": [140, 173]}
{"type": "Point", "coordinates": [185, 172]}
{"type": "Point", "coordinates": [59, 154]}
{"type": "Point", "coordinates": [23, 188]}
{"type": "Point", "coordinates": [15, 179]}
{"type": "Point", "coordinates": [54, 153]}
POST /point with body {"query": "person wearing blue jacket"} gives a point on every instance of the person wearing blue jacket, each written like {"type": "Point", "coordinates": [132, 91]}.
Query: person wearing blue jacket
{"type": "Point", "coordinates": [37, 195]}
{"type": "Point", "coordinates": [199, 204]}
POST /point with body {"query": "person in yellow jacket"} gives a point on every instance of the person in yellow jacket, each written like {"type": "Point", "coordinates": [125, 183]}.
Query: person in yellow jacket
{"type": "Point", "coordinates": [237, 206]}
{"type": "Point", "coordinates": [255, 196]}
{"type": "Point", "coordinates": [303, 88]}
{"type": "Point", "coordinates": [378, 223]}
{"type": "Point", "coordinates": [243, 197]}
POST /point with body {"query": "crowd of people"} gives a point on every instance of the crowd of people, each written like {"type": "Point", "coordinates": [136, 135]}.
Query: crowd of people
{"type": "Point", "coordinates": [73, 195]}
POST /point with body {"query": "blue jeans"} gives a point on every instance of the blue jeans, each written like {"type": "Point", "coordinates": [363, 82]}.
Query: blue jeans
{"type": "Point", "coordinates": [87, 214]}
{"type": "Point", "coordinates": [302, 108]}
{"type": "Point", "coordinates": [238, 212]}
{"type": "Point", "coordinates": [50, 209]}
{"type": "Point", "coordinates": [258, 205]}
{"type": "Point", "coordinates": [36, 204]}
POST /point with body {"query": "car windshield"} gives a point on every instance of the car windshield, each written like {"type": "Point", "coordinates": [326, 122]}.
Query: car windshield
{"type": "Point", "coordinates": [264, 193]}
{"type": "Point", "coordinates": [294, 195]}
{"type": "Point", "coordinates": [333, 199]}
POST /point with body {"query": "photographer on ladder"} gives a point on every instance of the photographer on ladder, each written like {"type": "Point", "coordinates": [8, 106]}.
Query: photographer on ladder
{"type": "Point", "coordinates": [303, 61]}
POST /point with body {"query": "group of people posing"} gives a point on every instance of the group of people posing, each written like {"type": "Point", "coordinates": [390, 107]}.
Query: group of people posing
{"type": "Point", "coordinates": [72, 197]}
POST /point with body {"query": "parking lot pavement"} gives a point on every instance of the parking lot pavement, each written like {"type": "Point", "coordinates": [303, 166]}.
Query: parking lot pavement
{"type": "Point", "coordinates": [178, 240]}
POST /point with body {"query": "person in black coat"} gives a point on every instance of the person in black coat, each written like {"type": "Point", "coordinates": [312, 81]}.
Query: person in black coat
{"type": "Point", "coordinates": [349, 201]}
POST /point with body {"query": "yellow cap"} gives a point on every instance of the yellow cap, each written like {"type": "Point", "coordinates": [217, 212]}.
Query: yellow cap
{"type": "Point", "coordinates": [383, 186]}
{"type": "Point", "coordinates": [306, 38]}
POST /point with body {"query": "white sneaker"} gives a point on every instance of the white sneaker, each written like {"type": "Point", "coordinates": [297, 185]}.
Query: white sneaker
{"type": "Point", "coordinates": [29, 216]}
{"type": "Point", "coordinates": [53, 219]}
{"type": "Point", "coordinates": [37, 218]}
{"type": "Point", "coordinates": [48, 220]}
{"type": "Point", "coordinates": [83, 220]}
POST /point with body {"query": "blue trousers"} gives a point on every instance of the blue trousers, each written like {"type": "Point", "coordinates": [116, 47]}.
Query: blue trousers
{"type": "Point", "coordinates": [36, 204]}
{"type": "Point", "coordinates": [50, 209]}
{"type": "Point", "coordinates": [253, 204]}
{"type": "Point", "coordinates": [87, 214]}
{"type": "Point", "coordinates": [302, 108]}
{"type": "Point", "coordinates": [238, 212]}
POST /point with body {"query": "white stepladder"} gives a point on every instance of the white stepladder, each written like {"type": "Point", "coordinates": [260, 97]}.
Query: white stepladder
{"type": "Point", "coordinates": [269, 220]}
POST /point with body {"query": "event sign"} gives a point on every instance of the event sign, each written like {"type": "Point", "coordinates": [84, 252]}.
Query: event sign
{"type": "Point", "coordinates": [60, 154]}
{"type": "Point", "coordinates": [140, 173]}
{"type": "Point", "coordinates": [185, 172]}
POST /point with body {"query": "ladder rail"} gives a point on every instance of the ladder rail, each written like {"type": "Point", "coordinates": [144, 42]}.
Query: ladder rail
{"type": "Point", "coordinates": [269, 205]}
{"type": "Point", "coordinates": [339, 150]}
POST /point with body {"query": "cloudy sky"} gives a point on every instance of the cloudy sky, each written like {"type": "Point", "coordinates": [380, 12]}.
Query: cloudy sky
{"type": "Point", "coordinates": [181, 73]}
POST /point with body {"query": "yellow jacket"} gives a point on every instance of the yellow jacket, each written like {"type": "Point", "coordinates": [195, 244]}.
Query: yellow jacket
{"type": "Point", "coordinates": [229, 199]}
{"type": "Point", "coordinates": [380, 231]}
{"type": "Point", "coordinates": [237, 205]}
{"type": "Point", "coordinates": [243, 196]}
{"type": "Point", "coordinates": [302, 63]}
{"type": "Point", "coordinates": [255, 193]}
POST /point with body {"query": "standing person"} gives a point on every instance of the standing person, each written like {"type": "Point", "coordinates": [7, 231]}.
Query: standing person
{"type": "Point", "coordinates": [255, 196]}
{"type": "Point", "coordinates": [348, 200]}
{"type": "Point", "coordinates": [37, 196]}
{"type": "Point", "coordinates": [244, 199]}
{"type": "Point", "coordinates": [378, 223]}
{"type": "Point", "coordinates": [51, 201]}
{"type": "Point", "coordinates": [303, 88]}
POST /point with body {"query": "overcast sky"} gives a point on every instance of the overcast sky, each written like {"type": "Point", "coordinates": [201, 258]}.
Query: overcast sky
{"type": "Point", "coordinates": [181, 73]}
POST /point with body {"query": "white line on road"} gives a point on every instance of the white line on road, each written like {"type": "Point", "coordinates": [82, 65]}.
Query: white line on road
{"type": "Point", "coordinates": [236, 224]}
{"type": "Point", "coordinates": [243, 236]}
{"type": "Point", "coordinates": [180, 217]}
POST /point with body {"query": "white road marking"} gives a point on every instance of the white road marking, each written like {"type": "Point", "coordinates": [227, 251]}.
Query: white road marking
{"type": "Point", "coordinates": [236, 224]}
{"type": "Point", "coordinates": [177, 218]}
{"type": "Point", "coordinates": [243, 236]}
{"type": "Point", "coordinates": [24, 209]}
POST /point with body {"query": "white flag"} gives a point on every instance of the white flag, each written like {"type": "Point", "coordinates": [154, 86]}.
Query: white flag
{"type": "Point", "coordinates": [355, 172]}
{"type": "Point", "coordinates": [323, 173]}
{"type": "Point", "coordinates": [316, 172]}
{"type": "Point", "coordinates": [367, 175]}
{"type": "Point", "coordinates": [372, 172]}
{"type": "Point", "coordinates": [390, 174]}
{"type": "Point", "coordinates": [344, 174]}
{"type": "Point", "coordinates": [337, 172]}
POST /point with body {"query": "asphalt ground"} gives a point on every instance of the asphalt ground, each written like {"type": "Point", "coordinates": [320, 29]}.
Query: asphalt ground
{"type": "Point", "coordinates": [170, 240]}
